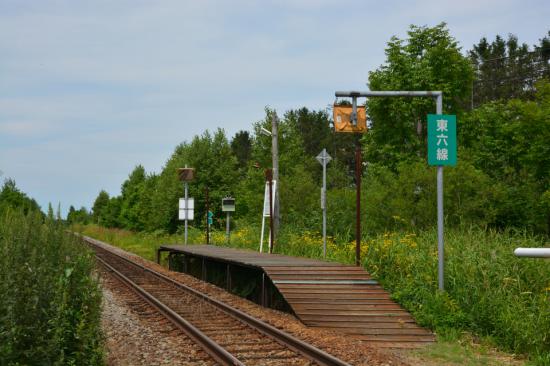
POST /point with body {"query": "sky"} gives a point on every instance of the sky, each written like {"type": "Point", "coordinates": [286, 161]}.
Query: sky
{"type": "Point", "coordinates": [90, 89]}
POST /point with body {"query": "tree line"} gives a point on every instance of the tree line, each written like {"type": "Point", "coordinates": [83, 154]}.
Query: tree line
{"type": "Point", "coordinates": [501, 180]}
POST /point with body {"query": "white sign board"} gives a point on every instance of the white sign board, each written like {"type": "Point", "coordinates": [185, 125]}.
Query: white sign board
{"type": "Point", "coordinates": [186, 212]}
{"type": "Point", "coordinates": [190, 203]}
{"type": "Point", "coordinates": [182, 213]}
{"type": "Point", "coordinates": [324, 158]}
{"type": "Point", "coordinates": [266, 197]}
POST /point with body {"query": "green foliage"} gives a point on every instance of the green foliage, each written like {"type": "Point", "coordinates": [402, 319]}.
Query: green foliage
{"type": "Point", "coordinates": [429, 59]}
{"type": "Point", "coordinates": [50, 306]}
{"type": "Point", "coordinates": [509, 142]}
{"type": "Point", "coordinates": [506, 69]}
{"type": "Point", "coordinates": [489, 291]}
{"type": "Point", "coordinates": [12, 197]}
{"type": "Point", "coordinates": [131, 195]}
{"type": "Point", "coordinates": [406, 199]}
{"type": "Point", "coordinates": [81, 216]}
{"type": "Point", "coordinates": [100, 207]}
{"type": "Point", "coordinates": [241, 146]}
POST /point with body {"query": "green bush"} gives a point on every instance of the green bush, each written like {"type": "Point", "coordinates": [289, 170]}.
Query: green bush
{"type": "Point", "coordinates": [489, 291]}
{"type": "Point", "coordinates": [406, 199]}
{"type": "Point", "coordinates": [50, 306]}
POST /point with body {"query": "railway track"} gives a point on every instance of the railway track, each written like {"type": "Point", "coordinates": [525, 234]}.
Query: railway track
{"type": "Point", "coordinates": [228, 335]}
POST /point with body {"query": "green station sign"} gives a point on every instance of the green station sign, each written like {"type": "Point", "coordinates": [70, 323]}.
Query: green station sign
{"type": "Point", "coordinates": [442, 139]}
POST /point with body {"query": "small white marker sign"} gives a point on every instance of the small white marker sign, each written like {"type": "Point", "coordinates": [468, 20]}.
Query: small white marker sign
{"type": "Point", "coordinates": [186, 211]}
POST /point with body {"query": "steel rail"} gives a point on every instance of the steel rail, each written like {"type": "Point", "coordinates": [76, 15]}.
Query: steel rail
{"type": "Point", "coordinates": [217, 352]}
{"type": "Point", "coordinates": [307, 350]}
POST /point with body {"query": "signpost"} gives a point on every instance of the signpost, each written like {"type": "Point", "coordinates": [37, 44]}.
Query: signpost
{"type": "Point", "coordinates": [324, 158]}
{"type": "Point", "coordinates": [228, 205]}
{"type": "Point", "coordinates": [186, 175]}
{"type": "Point", "coordinates": [438, 96]}
{"type": "Point", "coordinates": [441, 152]}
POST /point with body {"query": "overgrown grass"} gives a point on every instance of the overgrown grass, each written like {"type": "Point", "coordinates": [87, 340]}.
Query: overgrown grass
{"type": "Point", "coordinates": [50, 302]}
{"type": "Point", "coordinates": [489, 292]}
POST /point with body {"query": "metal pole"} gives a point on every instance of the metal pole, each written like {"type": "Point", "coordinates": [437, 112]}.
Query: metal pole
{"type": "Point", "coordinates": [186, 211]}
{"type": "Point", "coordinates": [207, 218]}
{"type": "Point", "coordinates": [388, 93]}
{"type": "Point", "coordinates": [532, 252]}
{"type": "Point", "coordinates": [440, 217]}
{"type": "Point", "coordinates": [324, 198]}
{"type": "Point", "coordinates": [358, 204]}
{"type": "Point", "coordinates": [227, 227]}
{"type": "Point", "coordinates": [275, 166]}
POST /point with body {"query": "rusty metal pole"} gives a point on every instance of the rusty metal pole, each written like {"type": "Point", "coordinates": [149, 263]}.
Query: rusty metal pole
{"type": "Point", "coordinates": [269, 177]}
{"type": "Point", "coordinates": [358, 204]}
{"type": "Point", "coordinates": [207, 226]}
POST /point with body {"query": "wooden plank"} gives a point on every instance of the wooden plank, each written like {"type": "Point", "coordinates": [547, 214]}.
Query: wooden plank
{"type": "Point", "coordinates": [345, 325]}
{"type": "Point", "coordinates": [370, 320]}
{"type": "Point", "coordinates": [332, 290]}
{"type": "Point", "coordinates": [340, 296]}
{"type": "Point", "coordinates": [349, 307]}
{"type": "Point", "coordinates": [351, 314]}
{"type": "Point", "coordinates": [395, 338]}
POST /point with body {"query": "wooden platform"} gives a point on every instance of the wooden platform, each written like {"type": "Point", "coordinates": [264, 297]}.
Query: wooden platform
{"type": "Point", "coordinates": [326, 295]}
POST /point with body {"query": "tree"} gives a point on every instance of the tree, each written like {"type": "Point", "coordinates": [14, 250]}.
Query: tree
{"type": "Point", "coordinates": [131, 193]}
{"type": "Point", "coordinates": [509, 142]}
{"type": "Point", "coordinates": [100, 206]}
{"type": "Point", "coordinates": [215, 168]}
{"type": "Point", "coordinates": [11, 196]}
{"type": "Point", "coordinates": [505, 69]}
{"type": "Point", "coordinates": [429, 59]}
{"type": "Point", "coordinates": [81, 216]}
{"type": "Point", "coordinates": [70, 215]}
{"type": "Point", "coordinates": [111, 217]}
{"type": "Point", "coordinates": [241, 145]}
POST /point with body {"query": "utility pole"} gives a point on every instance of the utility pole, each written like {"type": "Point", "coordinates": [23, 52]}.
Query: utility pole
{"type": "Point", "coordinates": [275, 166]}
{"type": "Point", "coordinates": [207, 218]}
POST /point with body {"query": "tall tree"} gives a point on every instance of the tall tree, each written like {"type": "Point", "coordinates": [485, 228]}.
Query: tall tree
{"type": "Point", "coordinates": [241, 145]}
{"type": "Point", "coordinates": [215, 167]}
{"type": "Point", "coordinates": [100, 206]}
{"type": "Point", "coordinates": [429, 59]}
{"type": "Point", "coordinates": [506, 69]}
{"type": "Point", "coordinates": [131, 193]}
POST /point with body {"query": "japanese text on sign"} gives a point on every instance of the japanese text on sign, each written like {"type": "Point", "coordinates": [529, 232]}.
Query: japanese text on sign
{"type": "Point", "coordinates": [441, 139]}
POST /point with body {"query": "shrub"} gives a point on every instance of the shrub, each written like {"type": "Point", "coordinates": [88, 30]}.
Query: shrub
{"type": "Point", "coordinates": [50, 306]}
{"type": "Point", "coordinates": [489, 291]}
